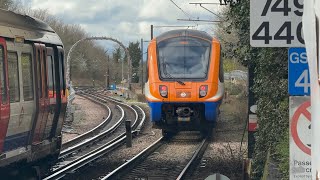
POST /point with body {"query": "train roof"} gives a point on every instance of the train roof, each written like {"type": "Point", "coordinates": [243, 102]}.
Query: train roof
{"type": "Point", "coordinates": [184, 32]}
{"type": "Point", "coordinates": [14, 25]}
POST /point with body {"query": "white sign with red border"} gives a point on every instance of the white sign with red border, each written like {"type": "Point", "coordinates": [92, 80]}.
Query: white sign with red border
{"type": "Point", "coordinates": [300, 137]}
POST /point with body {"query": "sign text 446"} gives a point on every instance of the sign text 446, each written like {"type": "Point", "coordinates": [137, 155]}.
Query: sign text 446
{"type": "Point", "coordinates": [276, 23]}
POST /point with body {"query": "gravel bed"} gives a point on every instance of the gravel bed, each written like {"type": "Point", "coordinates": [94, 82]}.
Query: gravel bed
{"type": "Point", "coordinates": [165, 163]}
{"type": "Point", "coordinates": [220, 157]}
{"type": "Point", "coordinates": [86, 116]}
{"type": "Point", "coordinates": [111, 161]}
{"type": "Point", "coordinates": [223, 154]}
{"type": "Point", "coordinates": [121, 129]}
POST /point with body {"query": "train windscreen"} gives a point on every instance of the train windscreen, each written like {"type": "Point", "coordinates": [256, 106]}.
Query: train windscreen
{"type": "Point", "coordinates": [183, 58]}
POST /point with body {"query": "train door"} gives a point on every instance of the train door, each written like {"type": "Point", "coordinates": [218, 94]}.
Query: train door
{"type": "Point", "coordinates": [53, 117]}
{"type": "Point", "coordinates": [21, 93]}
{"type": "Point", "coordinates": [28, 103]}
{"type": "Point", "coordinates": [14, 135]}
{"type": "Point", "coordinates": [4, 98]}
{"type": "Point", "coordinates": [42, 93]}
{"type": "Point", "coordinates": [56, 90]}
{"type": "Point", "coordinates": [62, 89]}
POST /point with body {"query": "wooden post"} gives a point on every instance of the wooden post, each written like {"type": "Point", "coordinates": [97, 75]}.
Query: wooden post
{"type": "Point", "coordinates": [128, 133]}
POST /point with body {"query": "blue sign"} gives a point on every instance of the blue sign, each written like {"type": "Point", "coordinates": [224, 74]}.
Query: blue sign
{"type": "Point", "coordinates": [299, 79]}
{"type": "Point", "coordinates": [112, 87]}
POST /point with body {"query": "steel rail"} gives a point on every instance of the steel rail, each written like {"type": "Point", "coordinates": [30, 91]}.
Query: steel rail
{"type": "Point", "coordinates": [91, 132]}
{"type": "Point", "coordinates": [93, 155]}
{"type": "Point", "coordinates": [95, 138]}
{"type": "Point", "coordinates": [197, 154]}
{"type": "Point", "coordinates": [139, 126]}
{"type": "Point", "coordinates": [115, 174]}
{"type": "Point", "coordinates": [138, 129]}
{"type": "Point", "coordinates": [85, 159]}
{"type": "Point", "coordinates": [124, 168]}
{"type": "Point", "coordinates": [121, 103]}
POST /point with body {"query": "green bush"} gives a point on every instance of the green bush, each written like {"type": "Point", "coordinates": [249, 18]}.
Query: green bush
{"type": "Point", "coordinates": [282, 154]}
{"type": "Point", "coordinates": [270, 87]}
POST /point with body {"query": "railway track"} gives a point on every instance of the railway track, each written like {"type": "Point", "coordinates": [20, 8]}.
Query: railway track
{"type": "Point", "coordinates": [164, 159]}
{"type": "Point", "coordinates": [93, 131]}
{"type": "Point", "coordinates": [99, 144]}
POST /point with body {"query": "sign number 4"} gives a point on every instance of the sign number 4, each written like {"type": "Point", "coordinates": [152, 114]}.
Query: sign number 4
{"type": "Point", "coordinates": [303, 81]}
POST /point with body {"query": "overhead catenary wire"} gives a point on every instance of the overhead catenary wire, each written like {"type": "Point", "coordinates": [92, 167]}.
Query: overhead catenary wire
{"type": "Point", "coordinates": [201, 5]}
{"type": "Point", "coordinates": [200, 20]}
{"type": "Point", "coordinates": [188, 15]}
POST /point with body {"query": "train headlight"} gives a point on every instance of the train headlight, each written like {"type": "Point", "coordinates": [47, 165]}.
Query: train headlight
{"type": "Point", "coordinates": [163, 91]}
{"type": "Point", "coordinates": [203, 90]}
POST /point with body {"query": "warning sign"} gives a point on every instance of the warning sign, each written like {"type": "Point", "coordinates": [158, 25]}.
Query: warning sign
{"type": "Point", "coordinates": [300, 137]}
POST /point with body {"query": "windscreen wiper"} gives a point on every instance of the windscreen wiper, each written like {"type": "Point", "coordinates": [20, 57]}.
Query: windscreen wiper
{"type": "Point", "coordinates": [180, 82]}
{"type": "Point", "coordinates": [168, 75]}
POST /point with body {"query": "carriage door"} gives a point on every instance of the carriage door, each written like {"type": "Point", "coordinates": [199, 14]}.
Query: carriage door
{"type": "Point", "coordinates": [62, 89]}
{"type": "Point", "coordinates": [21, 95]}
{"type": "Point", "coordinates": [4, 101]}
{"type": "Point", "coordinates": [42, 93]}
{"type": "Point", "coordinates": [53, 116]}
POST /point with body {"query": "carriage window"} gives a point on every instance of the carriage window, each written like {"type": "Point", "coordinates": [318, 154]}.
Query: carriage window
{"type": "Point", "coordinates": [221, 72]}
{"type": "Point", "coordinates": [51, 73]}
{"type": "Point", "coordinates": [27, 76]}
{"type": "Point", "coordinates": [39, 73]}
{"type": "Point", "coordinates": [61, 72]}
{"type": "Point", "coordinates": [45, 73]}
{"type": "Point", "coordinates": [3, 89]}
{"type": "Point", "coordinates": [147, 67]}
{"type": "Point", "coordinates": [13, 77]}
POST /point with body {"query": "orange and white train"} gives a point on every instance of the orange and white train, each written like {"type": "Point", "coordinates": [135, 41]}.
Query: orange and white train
{"type": "Point", "coordinates": [185, 84]}
{"type": "Point", "coordinates": [33, 92]}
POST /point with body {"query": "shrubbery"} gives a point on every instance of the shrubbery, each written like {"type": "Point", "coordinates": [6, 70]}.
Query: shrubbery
{"type": "Point", "coordinates": [270, 87]}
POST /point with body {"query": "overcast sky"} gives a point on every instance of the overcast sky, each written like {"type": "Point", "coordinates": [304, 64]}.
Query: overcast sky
{"type": "Point", "coordinates": [127, 20]}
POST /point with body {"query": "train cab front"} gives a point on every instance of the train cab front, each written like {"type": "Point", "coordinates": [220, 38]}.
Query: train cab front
{"type": "Point", "coordinates": [185, 107]}
{"type": "Point", "coordinates": [184, 87]}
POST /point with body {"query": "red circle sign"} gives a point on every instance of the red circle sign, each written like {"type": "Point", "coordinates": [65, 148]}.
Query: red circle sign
{"type": "Point", "coordinates": [302, 110]}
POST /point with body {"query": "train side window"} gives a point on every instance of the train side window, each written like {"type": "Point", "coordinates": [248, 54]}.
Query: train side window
{"type": "Point", "coordinates": [51, 73]}
{"type": "Point", "coordinates": [39, 73]}
{"type": "Point", "coordinates": [27, 76]}
{"type": "Point", "coordinates": [3, 76]}
{"type": "Point", "coordinates": [13, 77]}
{"type": "Point", "coordinates": [147, 64]}
{"type": "Point", "coordinates": [61, 70]}
{"type": "Point", "coordinates": [221, 71]}
{"type": "Point", "coordinates": [45, 73]}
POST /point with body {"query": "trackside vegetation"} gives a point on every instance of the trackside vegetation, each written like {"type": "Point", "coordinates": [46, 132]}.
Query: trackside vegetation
{"type": "Point", "coordinates": [270, 68]}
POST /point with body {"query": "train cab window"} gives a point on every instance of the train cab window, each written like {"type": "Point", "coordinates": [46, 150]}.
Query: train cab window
{"type": "Point", "coordinates": [14, 91]}
{"type": "Point", "coordinates": [51, 73]}
{"type": "Point", "coordinates": [3, 89]}
{"type": "Point", "coordinates": [27, 76]}
{"type": "Point", "coordinates": [183, 58]}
